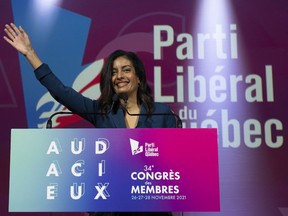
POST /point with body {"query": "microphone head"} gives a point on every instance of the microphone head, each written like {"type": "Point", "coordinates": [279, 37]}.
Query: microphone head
{"type": "Point", "coordinates": [115, 98]}
{"type": "Point", "coordinates": [123, 96]}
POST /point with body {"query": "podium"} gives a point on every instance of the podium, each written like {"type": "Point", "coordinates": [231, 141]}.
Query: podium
{"type": "Point", "coordinates": [114, 170]}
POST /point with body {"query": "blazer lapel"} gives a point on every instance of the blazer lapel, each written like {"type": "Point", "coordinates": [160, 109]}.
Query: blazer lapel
{"type": "Point", "coordinates": [118, 119]}
{"type": "Point", "coordinates": [144, 121]}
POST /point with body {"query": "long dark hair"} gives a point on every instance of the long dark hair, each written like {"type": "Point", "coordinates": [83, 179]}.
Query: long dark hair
{"type": "Point", "coordinates": [144, 95]}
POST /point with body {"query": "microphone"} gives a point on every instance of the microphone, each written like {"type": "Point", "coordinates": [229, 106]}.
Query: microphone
{"type": "Point", "coordinates": [124, 96]}
{"type": "Point", "coordinates": [114, 99]}
{"type": "Point", "coordinates": [49, 121]}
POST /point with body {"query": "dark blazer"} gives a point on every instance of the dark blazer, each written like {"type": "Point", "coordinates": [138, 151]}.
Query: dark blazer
{"type": "Point", "coordinates": [88, 108]}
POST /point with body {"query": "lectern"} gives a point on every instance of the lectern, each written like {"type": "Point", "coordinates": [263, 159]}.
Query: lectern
{"type": "Point", "coordinates": [114, 170]}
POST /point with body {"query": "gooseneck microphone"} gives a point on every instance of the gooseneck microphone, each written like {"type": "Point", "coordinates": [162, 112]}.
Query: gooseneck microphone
{"type": "Point", "coordinates": [124, 96]}
{"type": "Point", "coordinates": [49, 121]}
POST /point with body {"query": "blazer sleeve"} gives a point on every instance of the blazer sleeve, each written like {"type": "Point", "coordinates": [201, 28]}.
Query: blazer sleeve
{"type": "Point", "coordinates": [67, 96]}
{"type": "Point", "coordinates": [165, 121]}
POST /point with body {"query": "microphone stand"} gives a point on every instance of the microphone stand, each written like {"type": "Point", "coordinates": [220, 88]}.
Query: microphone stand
{"type": "Point", "coordinates": [178, 122]}
{"type": "Point", "coordinates": [114, 99]}
{"type": "Point", "coordinates": [49, 121]}
{"type": "Point", "coordinates": [125, 98]}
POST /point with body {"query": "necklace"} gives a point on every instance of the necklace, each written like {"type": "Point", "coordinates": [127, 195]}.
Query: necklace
{"type": "Point", "coordinates": [132, 121]}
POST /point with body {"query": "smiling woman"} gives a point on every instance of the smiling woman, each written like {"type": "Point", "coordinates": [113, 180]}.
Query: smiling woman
{"type": "Point", "coordinates": [122, 73]}
{"type": "Point", "coordinates": [124, 78]}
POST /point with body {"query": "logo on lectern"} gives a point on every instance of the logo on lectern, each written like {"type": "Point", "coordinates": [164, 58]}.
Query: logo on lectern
{"type": "Point", "coordinates": [135, 147]}
{"type": "Point", "coordinates": [151, 150]}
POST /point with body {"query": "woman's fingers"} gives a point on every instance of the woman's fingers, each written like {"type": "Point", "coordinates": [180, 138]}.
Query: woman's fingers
{"type": "Point", "coordinates": [7, 39]}
{"type": "Point", "coordinates": [12, 31]}
{"type": "Point", "coordinates": [21, 29]}
{"type": "Point", "coordinates": [15, 37]}
{"type": "Point", "coordinates": [16, 30]}
{"type": "Point", "coordinates": [9, 32]}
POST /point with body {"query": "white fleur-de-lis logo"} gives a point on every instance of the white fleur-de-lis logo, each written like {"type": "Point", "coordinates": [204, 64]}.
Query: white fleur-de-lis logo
{"type": "Point", "coordinates": [84, 83]}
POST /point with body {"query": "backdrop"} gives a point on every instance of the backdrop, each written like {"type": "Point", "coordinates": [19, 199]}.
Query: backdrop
{"type": "Point", "coordinates": [217, 63]}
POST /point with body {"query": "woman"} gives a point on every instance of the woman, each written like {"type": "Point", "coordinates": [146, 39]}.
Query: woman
{"type": "Point", "coordinates": [123, 74]}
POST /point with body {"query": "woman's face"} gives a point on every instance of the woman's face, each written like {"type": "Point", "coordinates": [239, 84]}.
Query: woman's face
{"type": "Point", "coordinates": [124, 78]}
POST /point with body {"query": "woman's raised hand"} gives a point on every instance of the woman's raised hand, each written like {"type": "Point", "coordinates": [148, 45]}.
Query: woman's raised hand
{"type": "Point", "coordinates": [18, 38]}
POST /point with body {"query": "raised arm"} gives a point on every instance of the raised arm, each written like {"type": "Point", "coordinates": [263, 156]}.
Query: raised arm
{"type": "Point", "coordinates": [19, 39]}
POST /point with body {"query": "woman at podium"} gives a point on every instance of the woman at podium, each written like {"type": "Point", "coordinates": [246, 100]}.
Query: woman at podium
{"type": "Point", "coordinates": [125, 101]}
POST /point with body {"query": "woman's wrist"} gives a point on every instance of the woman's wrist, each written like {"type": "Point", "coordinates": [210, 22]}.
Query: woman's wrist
{"type": "Point", "coordinates": [29, 53]}
{"type": "Point", "coordinates": [33, 58]}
